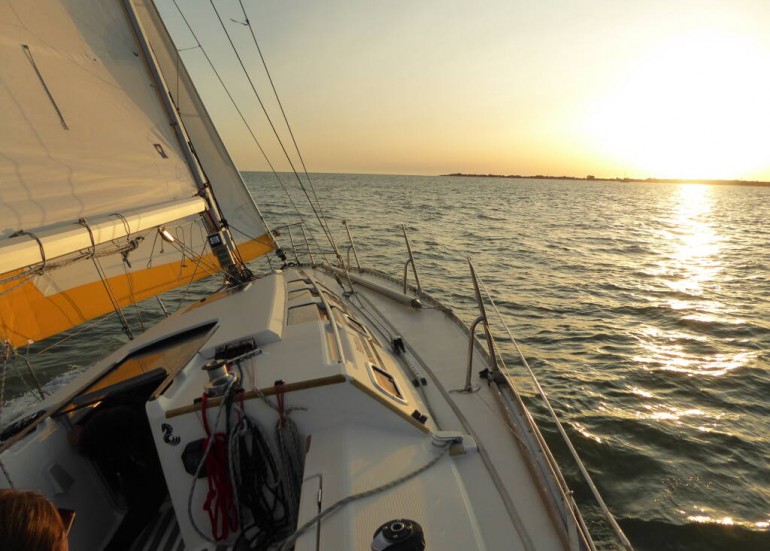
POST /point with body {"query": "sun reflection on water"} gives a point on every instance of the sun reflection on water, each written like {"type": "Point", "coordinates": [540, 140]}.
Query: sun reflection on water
{"type": "Point", "coordinates": [694, 241]}
{"type": "Point", "coordinates": [688, 244]}
{"type": "Point", "coordinates": [705, 515]}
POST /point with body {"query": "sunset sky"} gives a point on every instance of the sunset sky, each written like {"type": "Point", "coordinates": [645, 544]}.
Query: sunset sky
{"type": "Point", "coordinates": [613, 88]}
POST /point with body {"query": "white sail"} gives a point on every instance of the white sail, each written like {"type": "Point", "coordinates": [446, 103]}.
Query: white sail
{"type": "Point", "coordinates": [91, 167]}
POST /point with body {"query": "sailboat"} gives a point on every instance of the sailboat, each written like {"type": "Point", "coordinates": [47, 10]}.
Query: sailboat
{"type": "Point", "coordinates": [321, 405]}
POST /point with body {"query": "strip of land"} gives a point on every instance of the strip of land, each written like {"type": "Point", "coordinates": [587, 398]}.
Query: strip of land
{"type": "Point", "coordinates": [590, 178]}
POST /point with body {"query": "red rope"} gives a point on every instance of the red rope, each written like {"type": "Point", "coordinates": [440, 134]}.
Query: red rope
{"type": "Point", "coordinates": [220, 504]}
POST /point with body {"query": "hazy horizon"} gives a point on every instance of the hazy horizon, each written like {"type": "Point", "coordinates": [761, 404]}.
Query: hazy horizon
{"type": "Point", "coordinates": [627, 90]}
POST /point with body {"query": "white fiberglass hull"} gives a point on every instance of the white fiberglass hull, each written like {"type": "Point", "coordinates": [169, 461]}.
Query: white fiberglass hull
{"type": "Point", "coordinates": [465, 466]}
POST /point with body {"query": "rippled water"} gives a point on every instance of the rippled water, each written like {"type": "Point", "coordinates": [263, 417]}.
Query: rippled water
{"type": "Point", "coordinates": [642, 307]}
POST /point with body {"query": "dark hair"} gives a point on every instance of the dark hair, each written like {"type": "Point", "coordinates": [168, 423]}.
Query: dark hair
{"type": "Point", "coordinates": [29, 521]}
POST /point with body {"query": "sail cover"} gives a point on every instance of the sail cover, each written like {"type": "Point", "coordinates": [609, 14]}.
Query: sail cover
{"type": "Point", "coordinates": [91, 169]}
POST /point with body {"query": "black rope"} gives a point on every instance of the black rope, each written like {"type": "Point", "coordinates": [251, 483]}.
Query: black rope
{"type": "Point", "coordinates": [84, 223]}
{"type": "Point", "coordinates": [113, 299]}
{"type": "Point", "coordinates": [198, 258]}
{"type": "Point", "coordinates": [261, 492]}
{"type": "Point", "coordinates": [126, 226]}
{"type": "Point", "coordinates": [33, 374]}
{"type": "Point", "coordinates": [133, 295]}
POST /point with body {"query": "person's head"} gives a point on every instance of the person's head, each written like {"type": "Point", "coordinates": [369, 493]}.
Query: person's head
{"type": "Point", "coordinates": [29, 521]}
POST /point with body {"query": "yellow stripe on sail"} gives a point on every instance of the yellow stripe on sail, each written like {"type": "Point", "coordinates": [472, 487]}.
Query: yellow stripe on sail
{"type": "Point", "coordinates": [27, 315]}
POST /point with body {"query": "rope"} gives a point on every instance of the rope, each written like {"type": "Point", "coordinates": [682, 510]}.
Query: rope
{"type": "Point", "coordinates": [113, 299]}
{"type": "Point", "coordinates": [261, 487]}
{"type": "Point", "coordinates": [209, 444]}
{"type": "Point", "coordinates": [288, 542]}
{"type": "Point", "coordinates": [126, 264]}
{"type": "Point", "coordinates": [292, 461]}
{"type": "Point", "coordinates": [82, 328]}
{"type": "Point", "coordinates": [152, 251]}
{"type": "Point", "coordinates": [290, 450]}
{"type": "Point", "coordinates": [219, 504]}
{"type": "Point", "coordinates": [7, 351]}
{"type": "Point", "coordinates": [40, 270]}
{"type": "Point", "coordinates": [198, 264]}
{"type": "Point", "coordinates": [200, 47]}
{"type": "Point", "coordinates": [133, 295]}
{"type": "Point", "coordinates": [33, 374]}
{"type": "Point", "coordinates": [84, 223]}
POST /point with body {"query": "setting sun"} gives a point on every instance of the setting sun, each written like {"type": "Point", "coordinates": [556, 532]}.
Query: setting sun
{"type": "Point", "coordinates": [692, 107]}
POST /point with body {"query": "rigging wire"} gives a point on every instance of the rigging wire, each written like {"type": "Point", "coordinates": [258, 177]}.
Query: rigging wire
{"type": "Point", "coordinates": [198, 263]}
{"type": "Point", "coordinates": [283, 112]}
{"type": "Point", "coordinates": [200, 47]}
{"type": "Point", "coordinates": [324, 227]}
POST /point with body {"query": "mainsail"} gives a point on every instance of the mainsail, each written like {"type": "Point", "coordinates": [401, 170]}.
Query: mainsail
{"type": "Point", "coordinates": [103, 202]}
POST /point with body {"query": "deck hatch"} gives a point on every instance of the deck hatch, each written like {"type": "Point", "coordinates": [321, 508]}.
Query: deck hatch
{"type": "Point", "coordinates": [386, 383]}
{"type": "Point", "coordinates": [157, 362]}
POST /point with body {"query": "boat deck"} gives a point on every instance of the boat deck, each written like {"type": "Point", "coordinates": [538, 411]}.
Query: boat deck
{"type": "Point", "coordinates": [498, 486]}
{"type": "Point", "coordinates": [375, 447]}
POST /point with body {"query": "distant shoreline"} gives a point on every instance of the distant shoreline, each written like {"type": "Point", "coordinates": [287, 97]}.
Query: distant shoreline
{"type": "Point", "coordinates": [596, 179]}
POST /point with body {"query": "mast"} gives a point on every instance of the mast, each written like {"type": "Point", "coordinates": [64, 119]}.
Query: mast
{"type": "Point", "coordinates": [220, 239]}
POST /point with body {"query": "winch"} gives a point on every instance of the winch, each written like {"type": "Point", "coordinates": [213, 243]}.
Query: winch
{"type": "Point", "coordinates": [399, 535]}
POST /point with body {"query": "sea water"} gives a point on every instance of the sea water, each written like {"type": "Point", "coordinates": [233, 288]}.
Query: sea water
{"type": "Point", "coordinates": [643, 308]}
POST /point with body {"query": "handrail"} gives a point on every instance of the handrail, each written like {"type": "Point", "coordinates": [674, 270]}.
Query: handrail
{"type": "Point", "coordinates": [352, 245]}
{"type": "Point", "coordinates": [410, 261]}
{"type": "Point", "coordinates": [471, 338]}
{"type": "Point", "coordinates": [581, 466]}
{"type": "Point", "coordinates": [307, 244]}
{"type": "Point", "coordinates": [293, 246]}
{"type": "Point", "coordinates": [295, 251]}
{"type": "Point", "coordinates": [332, 320]}
{"type": "Point", "coordinates": [483, 315]}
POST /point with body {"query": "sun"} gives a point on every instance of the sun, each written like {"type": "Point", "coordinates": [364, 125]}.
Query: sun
{"type": "Point", "coordinates": [693, 107]}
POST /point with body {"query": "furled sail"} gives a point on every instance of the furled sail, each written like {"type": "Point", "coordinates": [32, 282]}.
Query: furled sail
{"type": "Point", "coordinates": [100, 205]}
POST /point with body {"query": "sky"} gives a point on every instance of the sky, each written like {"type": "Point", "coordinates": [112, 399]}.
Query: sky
{"type": "Point", "coordinates": [611, 88]}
